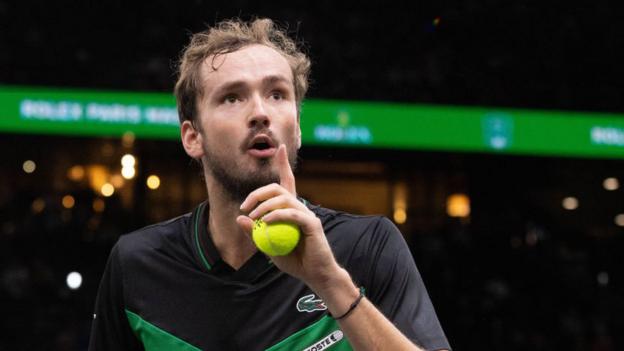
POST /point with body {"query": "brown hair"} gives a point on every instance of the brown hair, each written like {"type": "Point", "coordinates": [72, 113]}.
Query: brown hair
{"type": "Point", "coordinates": [229, 36]}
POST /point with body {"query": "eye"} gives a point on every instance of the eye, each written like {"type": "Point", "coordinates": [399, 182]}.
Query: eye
{"type": "Point", "coordinates": [230, 99]}
{"type": "Point", "coordinates": [277, 95]}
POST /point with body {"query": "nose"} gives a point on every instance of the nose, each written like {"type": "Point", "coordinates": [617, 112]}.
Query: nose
{"type": "Point", "coordinates": [258, 118]}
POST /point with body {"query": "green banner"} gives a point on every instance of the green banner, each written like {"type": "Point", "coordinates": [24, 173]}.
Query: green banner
{"type": "Point", "coordinates": [473, 129]}
{"type": "Point", "coordinates": [83, 112]}
{"type": "Point", "coordinates": [332, 123]}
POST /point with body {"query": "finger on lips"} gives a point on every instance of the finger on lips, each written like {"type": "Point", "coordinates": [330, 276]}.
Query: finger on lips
{"type": "Point", "coordinates": [287, 183]}
{"type": "Point", "coordinates": [287, 179]}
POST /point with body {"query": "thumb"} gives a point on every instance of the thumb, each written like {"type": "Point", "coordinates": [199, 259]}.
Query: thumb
{"type": "Point", "coordinates": [245, 223]}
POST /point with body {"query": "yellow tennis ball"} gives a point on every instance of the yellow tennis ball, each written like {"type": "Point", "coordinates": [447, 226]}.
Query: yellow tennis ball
{"type": "Point", "coordinates": [275, 239]}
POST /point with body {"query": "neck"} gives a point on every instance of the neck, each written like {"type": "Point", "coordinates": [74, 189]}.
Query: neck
{"type": "Point", "coordinates": [234, 245]}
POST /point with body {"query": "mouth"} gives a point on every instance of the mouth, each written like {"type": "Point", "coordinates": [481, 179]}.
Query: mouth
{"type": "Point", "coordinates": [261, 146]}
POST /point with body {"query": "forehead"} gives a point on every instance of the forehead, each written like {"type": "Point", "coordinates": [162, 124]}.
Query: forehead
{"type": "Point", "coordinates": [250, 64]}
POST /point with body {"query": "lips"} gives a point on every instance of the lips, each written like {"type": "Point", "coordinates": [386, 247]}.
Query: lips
{"type": "Point", "coordinates": [261, 146]}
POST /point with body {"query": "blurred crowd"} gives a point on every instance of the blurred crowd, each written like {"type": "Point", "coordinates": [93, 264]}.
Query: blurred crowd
{"type": "Point", "coordinates": [513, 275]}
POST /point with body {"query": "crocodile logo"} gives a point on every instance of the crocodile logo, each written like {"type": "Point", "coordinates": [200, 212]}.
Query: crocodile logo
{"type": "Point", "coordinates": [308, 303]}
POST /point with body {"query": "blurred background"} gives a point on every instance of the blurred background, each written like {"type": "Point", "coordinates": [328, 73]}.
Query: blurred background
{"type": "Point", "coordinates": [491, 132]}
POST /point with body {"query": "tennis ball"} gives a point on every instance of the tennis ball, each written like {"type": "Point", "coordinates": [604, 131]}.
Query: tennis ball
{"type": "Point", "coordinates": [275, 239]}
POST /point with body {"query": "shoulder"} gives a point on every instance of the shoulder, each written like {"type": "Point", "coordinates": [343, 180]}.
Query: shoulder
{"type": "Point", "coordinates": [369, 224]}
{"type": "Point", "coordinates": [367, 246]}
{"type": "Point", "coordinates": [363, 232]}
{"type": "Point", "coordinates": [156, 237]}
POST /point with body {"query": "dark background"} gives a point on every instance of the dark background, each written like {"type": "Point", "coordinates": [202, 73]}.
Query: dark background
{"type": "Point", "coordinates": [527, 53]}
{"type": "Point", "coordinates": [520, 274]}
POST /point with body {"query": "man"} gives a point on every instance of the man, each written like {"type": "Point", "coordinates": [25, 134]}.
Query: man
{"type": "Point", "coordinates": [197, 282]}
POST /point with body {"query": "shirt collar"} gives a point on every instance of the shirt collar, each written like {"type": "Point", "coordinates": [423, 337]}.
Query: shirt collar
{"type": "Point", "coordinates": [209, 257]}
{"type": "Point", "coordinates": [211, 260]}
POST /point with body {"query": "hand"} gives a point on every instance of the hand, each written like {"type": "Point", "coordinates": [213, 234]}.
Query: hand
{"type": "Point", "coordinates": [312, 260]}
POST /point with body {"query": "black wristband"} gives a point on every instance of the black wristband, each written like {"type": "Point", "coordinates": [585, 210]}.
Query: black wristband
{"type": "Point", "coordinates": [353, 305]}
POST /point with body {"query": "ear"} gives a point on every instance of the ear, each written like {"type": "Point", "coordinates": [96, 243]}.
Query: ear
{"type": "Point", "coordinates": [298, 133]}
{"type": "Point", "coordinates": [191, 140]}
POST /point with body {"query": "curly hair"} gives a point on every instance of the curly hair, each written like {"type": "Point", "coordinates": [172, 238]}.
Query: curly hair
{"type": "Point", "coordinates": [229, 36]}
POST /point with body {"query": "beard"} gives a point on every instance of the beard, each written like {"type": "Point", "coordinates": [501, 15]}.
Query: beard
{"type": "Point", "coordinates": [238, 180]}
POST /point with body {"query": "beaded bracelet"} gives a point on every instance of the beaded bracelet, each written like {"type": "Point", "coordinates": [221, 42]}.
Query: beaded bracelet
{"type": "Point", "coordinates": [353, 305]}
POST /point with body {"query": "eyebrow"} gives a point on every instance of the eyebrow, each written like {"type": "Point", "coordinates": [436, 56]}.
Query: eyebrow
{"type": "Point", "coordinates": [238, 84]}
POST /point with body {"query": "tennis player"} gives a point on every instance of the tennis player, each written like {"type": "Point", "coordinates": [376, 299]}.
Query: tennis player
{"type": "Point", "coordinates": [197, 282]}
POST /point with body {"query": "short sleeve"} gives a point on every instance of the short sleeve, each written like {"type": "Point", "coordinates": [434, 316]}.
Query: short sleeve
{"type": "Point", "coordinates": [395, 286]}
{"type": "Point", "coordinates": [110, 329]}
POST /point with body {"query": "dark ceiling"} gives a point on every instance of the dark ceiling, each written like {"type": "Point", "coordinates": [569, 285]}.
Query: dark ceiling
{"type": "Point", "coordinates": [527, 53]}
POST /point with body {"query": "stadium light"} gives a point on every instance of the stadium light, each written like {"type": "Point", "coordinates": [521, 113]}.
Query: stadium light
{"type": "Point", "coordinates": [128, 160]}
{"type": "Point", "coordinates": [74, 280]}
{"type": "Point", "coordinates": [619, 220]}
{"type": "Point", "coordinates": [458, 205]}
{"type": "Point", "coordinates": [153, 182]}
{"type": "Point", "coordinates": [107, 189]}
{"type": "Point", "coordinates": [570, 203]}
{"type": "Point", "coordinates": [128, 172]}
{"type": "Point", "coordinates": [29, 166]}
{"type": "Point", "coordinates": [611, 184]}
{"type": "Point", "coordinates": [68, 201]}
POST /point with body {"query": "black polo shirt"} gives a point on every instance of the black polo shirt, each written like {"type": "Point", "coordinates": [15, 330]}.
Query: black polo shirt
{"type": "Point", "coordinates": [165, 287]}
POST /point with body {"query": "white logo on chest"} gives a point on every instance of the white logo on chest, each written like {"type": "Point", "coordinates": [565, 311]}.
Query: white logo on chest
{"type": "Point", "coordinates": [326, 342]}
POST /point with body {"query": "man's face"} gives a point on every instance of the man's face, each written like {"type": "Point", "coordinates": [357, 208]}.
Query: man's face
{"type": "Point", "coordinates": [248, 109]}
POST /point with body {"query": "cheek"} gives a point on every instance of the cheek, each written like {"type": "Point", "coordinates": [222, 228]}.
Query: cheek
{"type": "Point", "coordinates": [289, 111]}
{"type": "Point", "coordinates": [222, 136]}
{"type": "Point", "coordinates": [292, 110]}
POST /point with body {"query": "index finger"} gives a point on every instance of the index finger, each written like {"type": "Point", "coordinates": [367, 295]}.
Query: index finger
{"type": "Point", "coordinates": [287, 179]}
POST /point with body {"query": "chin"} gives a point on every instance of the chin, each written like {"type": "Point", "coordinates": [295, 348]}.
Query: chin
{"type": "Point", "coordinates": [265, 175]}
